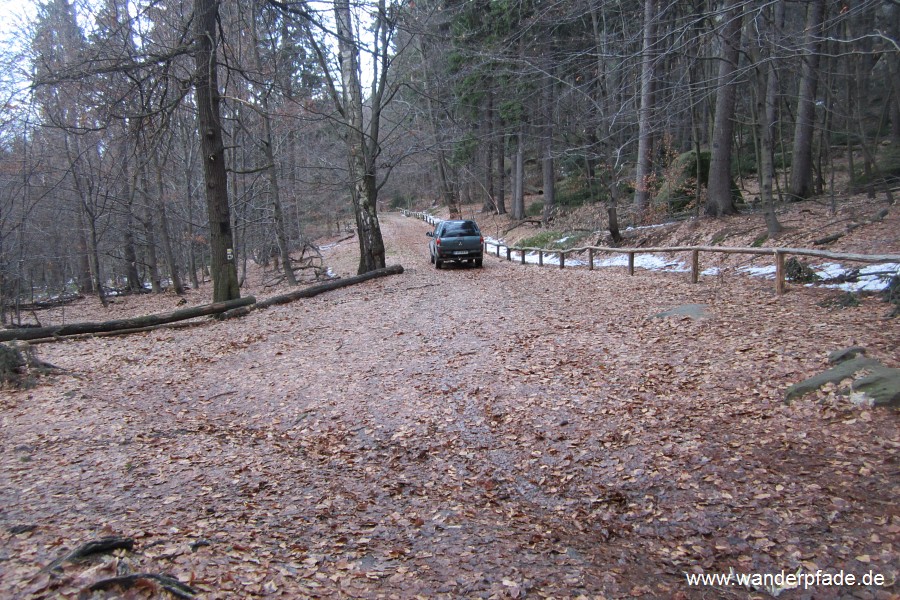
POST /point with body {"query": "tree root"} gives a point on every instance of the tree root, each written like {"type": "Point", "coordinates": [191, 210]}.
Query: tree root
{"type": "Point", "coordinates": [19, 364]}
{"type": "Point", "coordinates": [104, 545]}
{"type": "Point", "coordinates": [166, 582]}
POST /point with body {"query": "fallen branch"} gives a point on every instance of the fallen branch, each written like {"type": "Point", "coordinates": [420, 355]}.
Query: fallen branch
{"type": "Point", "coordinates": [45, 304]}
{"type": "Point", "coordinates": [344, 239]}
{"type": "Point", "coordinates": [54, 331]}
{"type": "Point", "coordinates": [315, 290]}
{"type": "Point", "coordinates": [537, 222]}
{"type": "Point", "coordinates": [828, 239]}
{"type": "Point", "coordinates": [166, 582]}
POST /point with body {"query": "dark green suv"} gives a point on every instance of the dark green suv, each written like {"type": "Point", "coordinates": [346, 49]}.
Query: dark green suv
{"type": "Point", "coordinates": [456, 241]}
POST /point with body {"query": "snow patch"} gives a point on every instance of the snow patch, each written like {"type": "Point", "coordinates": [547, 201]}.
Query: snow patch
{"type": "Point", "coordinates": [651, 262]}
{"type": "Point", "coordinates": [872, 278]}
{"type": "Point", "coordinates": [768, 271]}
{"type": "Point", "coordinates": [639, 227]}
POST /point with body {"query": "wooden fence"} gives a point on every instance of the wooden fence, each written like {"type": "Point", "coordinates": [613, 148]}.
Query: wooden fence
{"type": "Point", "coordinates": [779, 254]}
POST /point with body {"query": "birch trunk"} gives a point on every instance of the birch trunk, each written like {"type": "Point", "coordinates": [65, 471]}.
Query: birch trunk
{"type": "Point", "coordinates": [362, 144]}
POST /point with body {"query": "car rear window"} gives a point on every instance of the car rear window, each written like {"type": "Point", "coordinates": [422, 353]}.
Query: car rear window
{"type": "Point", "coordinates": [460, 229]}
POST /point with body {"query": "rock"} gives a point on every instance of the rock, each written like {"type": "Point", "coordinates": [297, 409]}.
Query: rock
{"type": "Point", "coordinates": [881, 388]}
{"type": "Point", "coordinates": [878, 386]}
{"type": "Point", "coordinates": [839, 356]}
{"type": "Point", "coordinates": [694, 311]}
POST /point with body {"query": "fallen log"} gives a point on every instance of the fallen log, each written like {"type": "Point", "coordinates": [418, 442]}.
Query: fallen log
{"type": "Point", "coordinates": [81, 336]}
{"type": "Point", "coordinates": [315, 290]}
{"type": "Point", "coordinates": [54, 331]}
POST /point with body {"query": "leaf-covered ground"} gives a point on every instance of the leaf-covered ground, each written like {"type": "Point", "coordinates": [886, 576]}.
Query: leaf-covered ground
{"type": "Point", "coordinates": [500, 432]}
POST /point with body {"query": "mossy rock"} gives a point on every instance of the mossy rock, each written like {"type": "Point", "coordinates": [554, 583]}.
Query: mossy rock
{"type": "Point", "coordinates": [873, 383]}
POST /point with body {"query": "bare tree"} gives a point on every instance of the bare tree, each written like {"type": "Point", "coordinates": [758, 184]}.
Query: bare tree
{"type": "Point", "coordinates": [801, 186]}
{"type": "Point", "coordinates": [645, 120]}
{"type": "Point", "coordinates": [206, 84]}
{"type": "Point", "coordinates": [767, 98]}
{"type": "Point", "coordinates": [721, 201]}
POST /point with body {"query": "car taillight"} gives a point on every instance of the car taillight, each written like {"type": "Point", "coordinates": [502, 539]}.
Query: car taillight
{"type": "Point", "coordinates": [482, 240]}
{"type": "Point", "coordinates": [437, 241]}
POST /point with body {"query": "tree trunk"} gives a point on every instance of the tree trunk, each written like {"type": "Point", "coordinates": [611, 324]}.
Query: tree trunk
{"type": "Point", "coordinates": [801, 163]}
{"type": "Point", "coordinates": [168, 248]}
{"type": "Point", "coordinates": [315, 290]}
{"type": "Point", "coordinates": [490, 204]}
{"type": "Point", "coordinates": [645, 115]}
{"type": "Point", "coordinates": [518, 201]}
{"type": "Point", "coordinates": [149, 224]}
{"type": "Point", "coordinates": [501, 176]}
{"type": "Point", "coordinates": [548, 167]}
{"type": "Point", "coordinates": [132, 277]}
{"type": "Point", "coordinates": [212, 150]}
{"type": "Point", "coordinates": [892, 8]}
{"type": "Point", "coordinates": [83, 261]}
{"type": "Point", "coordinates": [767, 114]}
{"type": "Point", "coordinates": [362, 148]}
{"type": "Point", "coordinates": [448, 194]}
{"type": "Point", "coordinates": [720, 201]}
{"type": "Point", "coordinates": [192, 250]}
{"type": "Point", "coordinates": [612, 213]}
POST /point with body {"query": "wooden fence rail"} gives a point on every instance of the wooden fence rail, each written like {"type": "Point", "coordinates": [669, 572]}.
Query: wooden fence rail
{"type": "Point", "coordinates": [778, 253]}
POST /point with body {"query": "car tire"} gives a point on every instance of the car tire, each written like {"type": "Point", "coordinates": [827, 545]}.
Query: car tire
{"type": "Point", "coordinates": [437, 263]}
{"type": "Point", "coordinates": [478, 263]}
{"type": "Point", "coordinates": [431, 256]}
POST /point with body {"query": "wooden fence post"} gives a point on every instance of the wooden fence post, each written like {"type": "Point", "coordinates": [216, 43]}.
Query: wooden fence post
{"type": "Point", "coordinates": [562, 259]}
{"type": "Point", "coordinates": [631, 263]}
{"type": "Point", "coordinates": [523, 256]}
{"type": "Point", "coordinates": [508, 253]}
{"type": "Point", "coordinates": [590, 259]}
{"type": "Point", "coordinates": [498, 249]}
{"type": "Point", "coordinates": [695, 266]}
{"type": "Point", "coordinates": [779, 273]}
{"type": "Point", "coordinates": [540, 258]}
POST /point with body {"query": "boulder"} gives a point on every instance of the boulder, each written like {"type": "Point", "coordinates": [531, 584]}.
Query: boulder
{"type": "Point", "coordinates": [872, 383]}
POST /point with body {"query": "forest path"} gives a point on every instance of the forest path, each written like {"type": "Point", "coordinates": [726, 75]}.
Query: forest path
{"type": "Point", "coordinates": [510, 431]}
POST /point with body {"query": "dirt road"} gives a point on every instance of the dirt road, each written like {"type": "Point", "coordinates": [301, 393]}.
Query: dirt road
{"type": "Point", "coordinates": [507, 431]}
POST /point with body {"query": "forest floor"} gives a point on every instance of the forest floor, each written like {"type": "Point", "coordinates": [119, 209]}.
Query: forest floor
{"type": "Point", "coordinates": [508, 432]}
